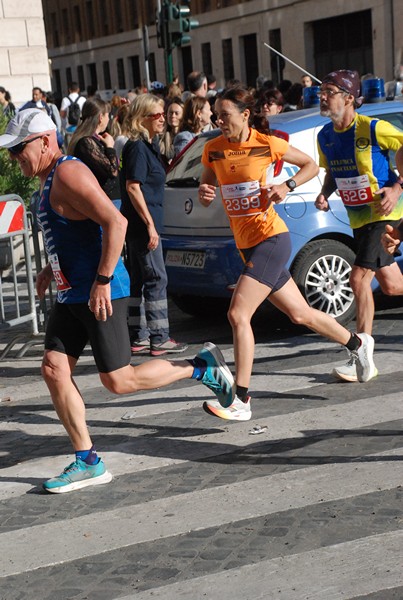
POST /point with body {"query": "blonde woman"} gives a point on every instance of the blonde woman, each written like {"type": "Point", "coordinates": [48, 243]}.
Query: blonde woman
{"type": "Point", "coordinates": [95, 147]}
{"type": "Point", "coordinates": [142, 178]}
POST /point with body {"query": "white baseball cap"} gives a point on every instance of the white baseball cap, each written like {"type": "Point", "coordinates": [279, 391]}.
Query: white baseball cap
{"type": "Point", "coordinates": [24, 124]}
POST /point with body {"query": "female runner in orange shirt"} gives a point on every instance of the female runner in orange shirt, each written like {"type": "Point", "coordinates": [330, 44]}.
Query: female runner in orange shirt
{"type": "Point", "coordinates": [242, 160]}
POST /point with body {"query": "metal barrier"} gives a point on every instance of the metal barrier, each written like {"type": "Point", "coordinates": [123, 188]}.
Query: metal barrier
{"type": "Point", "coordinates": [17, 293]}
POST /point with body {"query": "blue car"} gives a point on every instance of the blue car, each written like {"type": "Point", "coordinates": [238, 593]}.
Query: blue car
{"type": "Point", "coordinates": [201, 259]}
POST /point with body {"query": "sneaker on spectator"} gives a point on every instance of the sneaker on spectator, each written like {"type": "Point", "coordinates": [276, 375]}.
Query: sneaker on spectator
{"type": "Point", "coordinates": [167, 347]}
{"type": "Point", "coordinates": [237, 411]}
{"type": "Point", "coordinates": [218, 378]}
{"type": "Point", "coordinates": [78, 475]}
{"type": "Point", "coordinates": [140, 345]}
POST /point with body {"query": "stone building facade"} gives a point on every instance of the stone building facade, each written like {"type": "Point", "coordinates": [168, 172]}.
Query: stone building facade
{"type": "Point", "coordinates": [23, 55]}
{"type": "Point", "coordinates": [101, 42]}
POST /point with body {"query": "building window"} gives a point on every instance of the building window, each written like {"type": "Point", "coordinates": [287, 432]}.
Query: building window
{"type": "Point", "coordinates": [277, 63]}
{"type": "Point", "coordinates": [54, 29]}
{"type": "Point", "coordinates": [228, 59]}
{"type": "Point", "coordinates": [90, 19]}
{"type": "Point", "coordinates": [133, 15]}
{"type": "Point", "coordinates": [104, 17]}
{"type": "Point", "coordinates": [80, 74]}
{"type": "Point", "coordinates": [77, 22]}
{"type": "Point", "coordinates": [107, 75]}
{"type": "Point", "coordinates": [57, 83]}
{"type": "Point", "coordinates": [118, 12]}
{"type": "Point", "coordinates": [206, 58]}
{"type": "Point", "coordinates": [134, 62]}
{"type": "Point", "coordinates": [66, 26]}
{"type": "Point", "coordinates": [69, 78]}
{"type": "Point", "coordinates": [350, 45]}
{"type": "Point", "coordinates": [92, 74]}
{"type": "Point", "coordinates": [121, 74]}
{"type": "Point", "coordinates": [151, 66]}
{"type": "Point", "coordinates": [251, 66]}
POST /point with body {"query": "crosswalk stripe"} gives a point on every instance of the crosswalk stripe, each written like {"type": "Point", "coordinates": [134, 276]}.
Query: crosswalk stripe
{"type": "Point", "coordinates": [353, 415]}
{"type": "Point", "coordinates": [339, 572]}
{"type": "Point", "coordinates": [83, 537]}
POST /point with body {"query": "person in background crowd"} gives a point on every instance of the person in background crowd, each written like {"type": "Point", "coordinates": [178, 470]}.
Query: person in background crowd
{"type": "Point", "coordinates": [197, 83]}
{"type": "Point", "coordinates": [174, 113]}
{"type": "Point", "coordinates": [73, 97]}
{"type": "Point", "coordinates": [293, 98]}
{"type": "Point", "coordinates": [284, 86]}
{"type": "Point", "coordinates": [92, 92]}
{"type": "Point", "coordinates": [240, 160]}
{"type": "Point", "coordinates": [395, 88]}
{"type": "Point", "coordinates": [7, 107]}
{"type": "Point", "coordinates": [306, 81]}
{"type": "Point", "coordinates": [142, 177]}
{"type": "Point", "coordinates": [173, 91]}
{"type": "Point", "coordinates": [211, 86]}
{"type": "Point", "coordinates": [269, 102]}
{"type": "Point", "coordinates": [37, 101]}
{"type": "Point", "coordinates": [196, 116]}
{"type": "Point", "coordinates": [84, 235]}
{"type": "Point", "coordinates": [55, 116]}
{"type": "Point", "coordinates": [355, 152]}
{"type": "Point", "coordinates": [92, 144]}
{"type": "Point", "coordinates": [130, 96]}
{"type": "Point", "coordinates": [119, 129]}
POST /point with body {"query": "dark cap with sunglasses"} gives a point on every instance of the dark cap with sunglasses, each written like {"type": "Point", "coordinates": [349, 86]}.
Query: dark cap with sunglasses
{"type": "Point", "coordinates": [347, 81]}
{"type": "Point", "coordinates": [23, 126]}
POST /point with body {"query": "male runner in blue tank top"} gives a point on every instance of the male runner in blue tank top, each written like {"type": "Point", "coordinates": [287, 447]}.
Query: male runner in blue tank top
{"type": "Point", "coordinates": [84, 234]}
{"type": "Point", "coordinates": [354, 150]}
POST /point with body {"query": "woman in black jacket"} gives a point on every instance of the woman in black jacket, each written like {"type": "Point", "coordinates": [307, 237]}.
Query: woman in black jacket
{"type": "Point", "coordinates": [95, 147]}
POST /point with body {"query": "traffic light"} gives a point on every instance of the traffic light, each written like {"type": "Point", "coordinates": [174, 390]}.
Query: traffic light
{"type": "Point", "coordinates": [179, 23]}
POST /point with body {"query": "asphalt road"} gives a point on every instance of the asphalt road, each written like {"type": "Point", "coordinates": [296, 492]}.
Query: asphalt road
{"type": "Point", "coordinates": [310, 508]}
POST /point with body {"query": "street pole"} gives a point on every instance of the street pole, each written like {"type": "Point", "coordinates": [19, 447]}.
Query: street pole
{"type": "Point", "coordinates": [146, 55]}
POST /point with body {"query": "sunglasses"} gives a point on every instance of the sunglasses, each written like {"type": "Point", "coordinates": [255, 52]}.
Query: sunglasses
{"type": "Point", "coordinates": [18, 148]}
{"type": "Point", "coordinates": [330, 93]}
{"type": "Point", "coordinates": [156, 116]}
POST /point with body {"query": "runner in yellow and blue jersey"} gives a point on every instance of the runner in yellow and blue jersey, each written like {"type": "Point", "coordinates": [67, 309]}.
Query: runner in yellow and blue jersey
{"type": "Point", "coordinates": [354, 150]}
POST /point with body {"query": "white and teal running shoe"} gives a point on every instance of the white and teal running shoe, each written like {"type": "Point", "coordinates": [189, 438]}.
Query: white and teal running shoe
{"type": "Point", "coordinates": [218, 378]}
{"type": "Point", "coordinates": [78, 475]}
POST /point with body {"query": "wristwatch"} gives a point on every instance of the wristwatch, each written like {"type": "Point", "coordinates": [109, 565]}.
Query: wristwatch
{"type": "Point", "coordinates": [104, 279]}
{"type": "Point", "coordinates": [291, 184]}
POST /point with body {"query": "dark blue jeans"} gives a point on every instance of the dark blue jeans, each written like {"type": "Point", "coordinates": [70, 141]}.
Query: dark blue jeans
{"type": "Point", "coordinates": [148, 305]}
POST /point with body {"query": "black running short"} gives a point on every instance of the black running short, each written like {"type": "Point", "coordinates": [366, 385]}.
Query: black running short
{"type": "Point", "coordinates": [266, 261]}
{"type": "Point", "coordinates": [370, 253]}
{"type": "Point", "coordinates": [72, 326]}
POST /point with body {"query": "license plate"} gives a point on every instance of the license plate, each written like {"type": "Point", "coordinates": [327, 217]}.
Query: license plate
{"type": "Point", "coordinates": [187, 259]}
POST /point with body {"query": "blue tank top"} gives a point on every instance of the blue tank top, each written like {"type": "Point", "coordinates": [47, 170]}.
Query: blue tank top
{"type": "Point", "coordinates": [74, 251]}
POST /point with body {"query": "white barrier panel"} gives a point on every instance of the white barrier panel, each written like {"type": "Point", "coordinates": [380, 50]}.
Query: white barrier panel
{"type": "Point", "coordinates": [17, 292]}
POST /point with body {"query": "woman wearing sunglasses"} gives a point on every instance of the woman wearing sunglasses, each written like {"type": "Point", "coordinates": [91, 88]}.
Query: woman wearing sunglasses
{"type": "Point", "coordinates": [142, 178]}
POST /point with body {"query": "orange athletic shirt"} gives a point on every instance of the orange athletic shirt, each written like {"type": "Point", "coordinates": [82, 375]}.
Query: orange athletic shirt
{"type": "Point", "coordinates": [239, 168]}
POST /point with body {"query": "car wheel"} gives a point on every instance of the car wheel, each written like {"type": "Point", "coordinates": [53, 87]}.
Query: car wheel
{"type": "Point", "coordinates": [198, 306]}
{"type": "Point", "coordinates": [322, 270]}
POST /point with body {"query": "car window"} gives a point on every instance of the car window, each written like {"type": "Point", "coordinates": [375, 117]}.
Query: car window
{"type": "Point", "coordinates": [395, 119]}
{"type": "Point", "coordinates": [189, 168]}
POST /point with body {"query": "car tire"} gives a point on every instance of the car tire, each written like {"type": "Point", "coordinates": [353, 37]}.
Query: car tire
{"type": "Point", "coordinates": [321, 270]}
{"type": "Point", "coordinates": [198, 306]}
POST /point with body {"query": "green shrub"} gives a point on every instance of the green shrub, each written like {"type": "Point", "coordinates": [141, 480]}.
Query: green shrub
{"type": "Point", "coordinates": [12, 181]}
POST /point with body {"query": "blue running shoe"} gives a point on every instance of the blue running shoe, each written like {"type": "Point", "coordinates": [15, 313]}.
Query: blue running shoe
{"type": "Point", "coordinates": [218, 378]}
{"type": "Point", "coordinates": [78, 475]}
